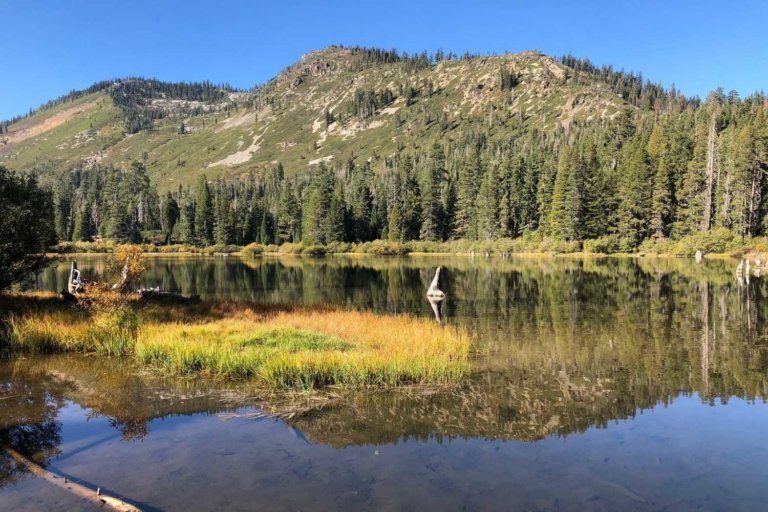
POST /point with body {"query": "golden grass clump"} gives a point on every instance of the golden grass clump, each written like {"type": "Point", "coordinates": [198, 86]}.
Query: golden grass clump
{"type": "Point", "coordinates": [283, 347]}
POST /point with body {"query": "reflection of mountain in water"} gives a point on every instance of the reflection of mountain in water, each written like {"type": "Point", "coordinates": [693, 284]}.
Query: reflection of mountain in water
{"type": "Point", "coordinates": [564, 344]}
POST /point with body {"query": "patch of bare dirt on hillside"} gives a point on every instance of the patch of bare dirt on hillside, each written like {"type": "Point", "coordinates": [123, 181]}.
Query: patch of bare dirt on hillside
{"type": "Point", "coordinates": [28, 130]}
{"type": "Point", "coordinates": [240, 157]}
{"type": "Point", "coordinates": [235, 121]}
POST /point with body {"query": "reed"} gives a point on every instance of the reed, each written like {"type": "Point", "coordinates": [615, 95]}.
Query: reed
{"type": "Point", "coordinates": [279, 346]}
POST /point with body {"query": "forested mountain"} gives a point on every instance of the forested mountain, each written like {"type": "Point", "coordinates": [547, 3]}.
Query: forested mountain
{"type": "Point", "coordinates": [354, 144]}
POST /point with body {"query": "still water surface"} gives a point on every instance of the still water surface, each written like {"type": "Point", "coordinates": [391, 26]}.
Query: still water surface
{"type": "Point", "coordinates": [600, 384]}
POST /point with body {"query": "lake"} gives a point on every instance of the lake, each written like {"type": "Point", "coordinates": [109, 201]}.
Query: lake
{"type": "Point", "coordinates": [599, 384]}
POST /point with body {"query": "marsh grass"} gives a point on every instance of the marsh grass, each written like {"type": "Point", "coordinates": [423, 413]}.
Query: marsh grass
{"type": "Point", "coordinates": [279, 346]}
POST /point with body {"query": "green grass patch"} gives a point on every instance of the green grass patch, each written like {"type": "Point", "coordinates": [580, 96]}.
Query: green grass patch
{"type": "Point", "coordinates": [281, 347]}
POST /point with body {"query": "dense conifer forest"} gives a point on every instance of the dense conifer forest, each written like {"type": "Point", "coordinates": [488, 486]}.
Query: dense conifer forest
{"type": "Point", "coordinates": [664, 167]}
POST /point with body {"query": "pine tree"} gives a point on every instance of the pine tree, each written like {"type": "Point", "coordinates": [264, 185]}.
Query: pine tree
{"type": "Point", "coordinates": [395, 221]}
{"type": "Point", "coordinates": [661, 202]}
{"type": "Point", "coordinates": [596, 191]}
{"type": "Point", "coordinates": [83, 229]}
{"type": "Point", "coordinates": [169, 215]}
{"type": "Point", "coordinates": [337, 217]}
{"type": "Point", "coordinates": [411, 203]}
{"type": "Point", "coordinates": [565, 212]}
{"type": "Point", "coordinates": [466, 203]}
{"type": "Point", "coordinates": [186, 225]}
{"type": "Point", "coordinates": [204, 216]}
{"type": "Point", "coordinates": [315, 212]}
{"type": "Point", "coordinates": [224, 228]}
{"type": "Point", "coordinates": [544, 193]}
{"type": "Point", "coordinates": [432, 208]}
{"type": "Point", "coordinates": [289, 215]}
{"type": "Point", "coordinates": [635, 209]}
{"type": "Point", "coordinates": [361, 204]}
{"type": "Point", "coordinates": [488, 206]}
{"type": "Point", "coordinates": [266, 228]}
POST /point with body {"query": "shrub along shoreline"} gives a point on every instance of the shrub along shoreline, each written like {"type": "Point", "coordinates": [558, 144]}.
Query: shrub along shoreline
{"type": "Point", "coordinates": [276, 346]}
{"type": "Point", "coordinates": [714, 242]}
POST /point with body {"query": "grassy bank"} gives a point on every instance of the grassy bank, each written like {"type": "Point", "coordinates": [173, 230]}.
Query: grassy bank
{"type": "Point", "coordinates": [713, 242]}
{"type": "Point", "coordinates": [281, 347]}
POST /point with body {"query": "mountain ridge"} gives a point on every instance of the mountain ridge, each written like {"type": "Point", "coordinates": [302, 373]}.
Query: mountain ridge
{"type": "Point", "coordinates": [285, 120]}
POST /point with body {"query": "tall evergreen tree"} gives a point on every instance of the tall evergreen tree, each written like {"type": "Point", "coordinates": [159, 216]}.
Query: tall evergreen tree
{"type": "Point", "coordinates": [566, 206]}
{"type": "Point", "coordinates": [289, 215]}
{"type": "Point", "coordinates": [466, 202]}
{"type": "Point", "coordinates": [432, 207]}
{"type": "Point", "coordinates": [635, 209]}
{"type": "Point", "coordinates": [336, 221]}
{"type": "Point", "coordinates": [170, 216]}
{"type": "Point", "coordinates": [315, 211]}
{"type": "Point", "coordinates": [204, 216]}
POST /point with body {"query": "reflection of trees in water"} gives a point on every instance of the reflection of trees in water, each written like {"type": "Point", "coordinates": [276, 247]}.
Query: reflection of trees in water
{"type": "Point", "coordinates": [28, 424]}
{"type": "Point", "coordinates": [564, 344]}
{"type": "Point", "coordinates": [35, 389]}
{"type": "Point", "coordinates": [576, 347]}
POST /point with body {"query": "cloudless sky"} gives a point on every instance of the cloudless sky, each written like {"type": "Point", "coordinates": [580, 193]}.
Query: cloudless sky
{"type": "Point", "coordinates": [49, 47]}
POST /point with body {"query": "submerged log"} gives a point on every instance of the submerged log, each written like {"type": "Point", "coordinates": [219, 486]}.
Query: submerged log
{"type": "Point", "coordinates": [79, 490]}
{"type": "Point", "coordinates": [434, 290]}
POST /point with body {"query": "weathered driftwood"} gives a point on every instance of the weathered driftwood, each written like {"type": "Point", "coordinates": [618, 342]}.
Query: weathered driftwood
{"type": "Point", "coordinates": [434, 289]}
{"type": "Point", "coordinates": [73, 487]}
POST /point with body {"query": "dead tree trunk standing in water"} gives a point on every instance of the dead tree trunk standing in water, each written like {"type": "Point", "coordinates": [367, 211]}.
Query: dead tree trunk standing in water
{"type": "Point", "coordinates": [434, 290]}
{"type": "Point", "coordinates": [435, 296]}
{"type": "Point", "coordinates": [711, 162]}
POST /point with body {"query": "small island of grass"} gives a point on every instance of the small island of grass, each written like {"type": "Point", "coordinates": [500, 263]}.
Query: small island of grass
{"type": "Point", "coordinates": [278, 346]}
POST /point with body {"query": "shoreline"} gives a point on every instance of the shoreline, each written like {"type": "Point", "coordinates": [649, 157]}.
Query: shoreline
{"type": "Point", "coordinates": [532, 254]}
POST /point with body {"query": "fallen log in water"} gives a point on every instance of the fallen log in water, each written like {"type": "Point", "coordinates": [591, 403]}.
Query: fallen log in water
{"type": "Point", "coordinates": [73, 487]}
{"type": "Point", "coordinates": [157, 294]}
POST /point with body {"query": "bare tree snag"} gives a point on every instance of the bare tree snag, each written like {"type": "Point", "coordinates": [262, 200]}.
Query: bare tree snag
{"type": "Point", "coordinates": [711, 159]}
{"type": "Point", "coordinates": [434, 290]}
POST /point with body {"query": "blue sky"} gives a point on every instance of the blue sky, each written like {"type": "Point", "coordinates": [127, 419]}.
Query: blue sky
{"type": "Point", "coordinates": [50, 47]}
